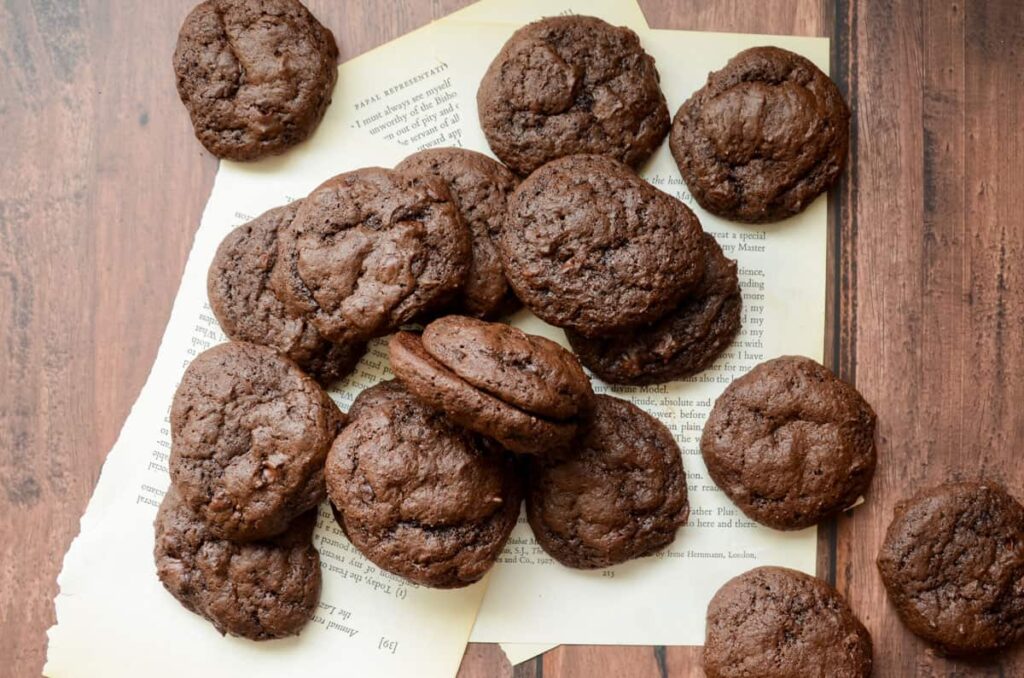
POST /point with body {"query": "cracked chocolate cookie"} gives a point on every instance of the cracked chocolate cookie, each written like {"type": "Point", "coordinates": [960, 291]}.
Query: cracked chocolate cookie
{"type": "Point", "coordinates": [255, 75]}
{"type": "Point", "coordinates": [481, 187]}
{"type": "Point", "coordinates": [683, 343]}
{"type": "Point", "coordinates": [258, 590]}
{"type": "Point", "coordinates": [620, 493]}
{"type": "Point", "coordinates": [953, 564]}
{"type": "Point", "coordinates": [417, 495]}
{"type": "Point", "coordinates": [567, 85]}
{"type": "Point", "coordinates": [369, 250]}
{"type": "Point", "coordinates": [790, 443]}
{"type": "Point", "coordinates": [248, 309]}
{"type": "Point", "coordinates": [590, 246]}
{"type": "Point", "coordinates": [763, 138]}
{"type": "Point", "coordinates": [773, 622]}
{"type": "Point", "coordinates": [249, 435]}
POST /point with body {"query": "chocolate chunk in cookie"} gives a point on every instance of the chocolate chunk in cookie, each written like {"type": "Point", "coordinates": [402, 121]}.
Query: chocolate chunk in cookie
{"type": "Point", "coordinates": [249, 435]}
{"type": "Point", "coordinates": [567, 85]}
{"type": "Point", "coordinates": [763, 138]}
{"type": "Point", "coordinates": [683, 343]}
{"type": "Point", "coordinates": [258, 590]}
{"type": "Point", "coordinates": [417, 495]}
{"type": "Point", "coordinates": [790, 443]}
{"type": "Point", "coordinates": [590, 246]}
{"type": "Point", "coordinates": [619, 493]}
{"type": "Point", "coordinates": [255, 75]}
{"type": "Point", "coordinates": [369, 250]}
{"type": "Point", "coordinates": [773, 622]}
{"type": "Point", "coordinates": [953, 564]}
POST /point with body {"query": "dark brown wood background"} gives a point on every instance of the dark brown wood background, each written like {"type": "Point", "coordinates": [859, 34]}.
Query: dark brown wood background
{"type": "Point", "coordinates": [102, 186]}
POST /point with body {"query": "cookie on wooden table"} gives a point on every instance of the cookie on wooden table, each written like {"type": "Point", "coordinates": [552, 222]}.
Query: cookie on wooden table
{"type": "Point", "coordinates": [790, 443]}
{"type": "Point", "coordinates": [763, 138]}
{"type": "Point", "coordinates": [255, 75]}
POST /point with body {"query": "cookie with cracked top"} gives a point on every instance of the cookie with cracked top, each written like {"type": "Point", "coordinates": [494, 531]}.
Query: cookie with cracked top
{"type": "Point", "coordinates": [953, 565]}
{"type": "Point", "coordinates": [619, 494]}
{"type": "Point", "coordinates": [763, 138]}
{"type": "Point", "coordinates": [790, 443]}
{"type": "Point", "coordinates": [255, 75]}
{"type": "Point", "coordinates": [567, 85]}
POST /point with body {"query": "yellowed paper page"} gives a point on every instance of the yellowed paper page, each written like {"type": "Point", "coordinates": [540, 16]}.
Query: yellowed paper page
{"type": "Point", "coordinates": [517, 653]}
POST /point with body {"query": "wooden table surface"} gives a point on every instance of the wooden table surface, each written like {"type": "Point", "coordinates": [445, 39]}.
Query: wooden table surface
{"type": "Point", "coordinates": [102, 186]}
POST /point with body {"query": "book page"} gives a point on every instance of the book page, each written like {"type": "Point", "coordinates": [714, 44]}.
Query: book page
{"type": "Point", "coordinates": [517, 653]}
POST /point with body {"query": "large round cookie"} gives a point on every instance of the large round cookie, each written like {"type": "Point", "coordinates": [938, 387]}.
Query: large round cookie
{"type": "Point", "coordinates": [773, 622]}
{"type": "Point", "coordinates": [619, 493]}
{"type": "Point", "coordinates": [590, 246]}
{"type": "Point", "coordinates": [567, 85]}
{"type": "Point", "coordinates": [258, 590]}
{"type": "Point", "coordinates": [953, 564]}
{"type": "Point", "coordinates": [417, 495]}
{"type": "Point", "coordinates": [790, 443]}
{"type": "Point", "coordinates": [249, 310]}
{"type": "Point", "coordinates": [481, 187]}
{"type": "Point", "coordinates": [683, 343]}
{"type": "Point", "coordinates": [255, 75]}
{"type": "Point", "coordinates": [369, 250]}
{"type": "Point", "coordinates": [249, 435]}
{"type": "Point", "coordinates": [763, 138]}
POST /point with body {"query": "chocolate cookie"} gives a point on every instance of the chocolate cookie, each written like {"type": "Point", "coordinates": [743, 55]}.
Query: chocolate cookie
{"type": "Point", "coordinates": [763, 138]}
{"type": "Point", "coordinates": [481, 187]}
{"type": "Point", "coordinates": [953, 564]}
{"type": "Point", "coordinates": [249, 435]}
{"type": "Point", "coordinates": [522, 390]}
{"type": "Point", "coordinates": [620, 494]}
{"type": "Point", "coordinates": [255, 75]}
{"type": "Point", "coordinates": [258, 590]}
{"type": "Point", "coordinates": [248, 310]}
{"type": "Point", "coordinates": [683, 343]}
{"type": "Point", "coordinates": [369, 250]}
{"type": "Point", "coordinates": [567, 85]}
{"type": "Point", "coordinates": [418, 496]}
{"type": "Point", "coordinates": [773, 622]}
{"type": "Point", "coordinates": [590, 246]}
{"type": "Point", "coordinates": [790, 443]}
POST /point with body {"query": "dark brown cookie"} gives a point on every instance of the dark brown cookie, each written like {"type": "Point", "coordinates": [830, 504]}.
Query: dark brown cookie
{"type": "Point", "coordinates": [683, 343]}
{"type": "Point", "coordinates": [567, 85]}
{"type": "Point", "coordinates": [790, 443]}
{"type": "Point", "coordinates": [418, 496]}
{"type": "Point", "coordinates": [763, 138]}
{"type": "Point", "coordinates": [953, 564]}
{"type": "Point", "coordinates": [619, 494]}
{"type": "Point", "coordinates": [258, 590]}
{"type": "Point", "coordinates": [249, 435]}
{"type": "Point", "coordinates": [255, 75]}
{"type": "Point", "coordinates": [369, 250]}
{"type": "Point", "coordinates": [249, 310]}
{"type": "Point", "coordinates": [773, 622]}
{"type": "Point", "coordinates": [590, 246]}
{"type": "Point", "coordinates": [481, 187]}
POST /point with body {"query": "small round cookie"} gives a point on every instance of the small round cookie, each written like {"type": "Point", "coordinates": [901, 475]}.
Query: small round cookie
{"type": "Point", "coordinates": [249, 435]}
{"type": "Point", "coordinates": [418, 496]}
{"type": "Point", "coordinates": [790, 443]}
{"type": "Point", "coordinates": [763, 138]}
{"type": "Point", "coordinates": [773, 622]}
{"type": "Point", "coordinates": [621, 494]}
{"type": "Point", "coordinates": [481, 187]}
{"type": "Point", "coordinates": [683, 343]}
{"type": "Point", "coordinates": [369, 250]}
{"type": "Point", "coordinates": [953, 564]}
{"type": "Point", "coordinates": [590, 246]}
{"type": "Point", "coordinates": [248, 310]}
{"type": "Point", "coordinates": [567, 85]}
{"type": "Point", "coordinates": [258, 590]}
{"type": "Point", "coordinates": [255, 75]}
